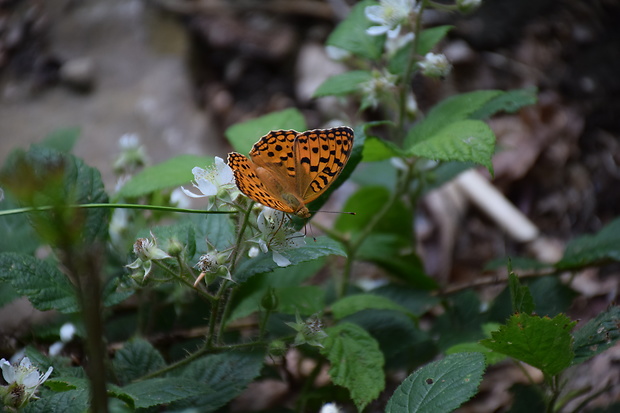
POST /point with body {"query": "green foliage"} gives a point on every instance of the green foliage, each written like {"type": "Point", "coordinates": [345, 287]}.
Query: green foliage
{"type": "Point", "coordinates": [343, 84]}
{"type": "Point", "coordinates": [350, 35]}
{"type": "Point", "coordinates": [171, 173]}
{"type": "Point", "coordinates": [136, 359]}
{"type": "Point", "coordinates": [62, 140]}
{"type": "Point", "coordinates": [354, 303]}
{"type": "Point", "coordinates": [44, 285]}
{"type": "Point", "coordinates": [441, 386]}
{"type": "Point", "coordinates": [520, 296]}
{"type": "Point", "coordinates": [591, 250]}
{"type": "Point", "coordinates": [545, 343]}
{"type": "Point", "coordinates": [357, 362]}
{"type": "Point", "coordinates": [597, 335]}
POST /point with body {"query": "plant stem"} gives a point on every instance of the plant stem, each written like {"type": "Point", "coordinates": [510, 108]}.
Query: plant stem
{"type": "Point", "coordinates": [122, 206]}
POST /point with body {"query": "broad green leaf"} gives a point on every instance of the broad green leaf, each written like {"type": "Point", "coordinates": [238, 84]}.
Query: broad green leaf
{"type": "Point", "coordinates": [18, 235]}
{"type": "Point", "coordinates": [323, 246]}
{"type": "Point", "coordinates": [402, 343]}
{"type": "Point", "coordinates": [221, 376]}
{"type": "Point", "coordinates": [367, 202]}
{"type": "Point", "coordinates": [343, 84]}
{"type": "Point", "coordinates": [542, 342]}
{"type": "Point", "coordinates": [438, 387]}
{"type": "Point", "coordinates": [153, 392]}
{"type": "Point", "coordinates": [356, 362]}
{"type": "Point", "coordinates": [452, 109]}
{"type": "Point", "coordinates": [380, 173]}
{"type": "Point", "coordinates": [389, 251]}
{"type": "Point", "coordinates": [44, 285]}
{"type": "Point", "coordinates": [245, 134]}
{"type": "Point", "coordinates": [249, 294]}
{"type": "Point", "coordinates": [174, 172]}
{"type": "Point", "coordinates": [7, 294]}
{"type": "Point", "coordinates": [416, 301]}
{"type": "Point", "coordinates": [551, 296]}
{"type": "Point", "coordinates": [64, 383]}
{"type": "Point", "coordinates": [510, 102]}
{"type": "Point", "coordinates": [67, 401]}
{"type": "Point", "coordinates": [461, 321]}
{"type": "Point", "coordinates": [358, 302]}
{"type": "Point", "coordinates": [351, 34]}
{"type": "Point", "coordinates": [490, 357]}
{"type": "Point", "coordinates": [305, 300]}
{"type": "Point", "coordinates": [218, 229]}
{"type": "Point", "coordinates": [183, 232]}
{"type": "Point", "coordinates": [430, 37]}
{"type": "Point", "coordinates": [62, 140]}
{"type": "Point", "coordinates": [377, 149]}
{"type": "Point", "coordinates": [46, 177]}
{"type": "Point", "coordinates": [520, 296]}
{"type": "Point", "coordinates": [597, 335]}
{"type": "Point", "coordinates": [589, 250]}
{"type": "Point", "coordinates": [136, 359]}
{"type": "Point", "coordinates": [466, 141]}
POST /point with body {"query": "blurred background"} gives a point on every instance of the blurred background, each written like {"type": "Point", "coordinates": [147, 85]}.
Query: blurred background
{"type": "Point", "coordinates": [179, 72]}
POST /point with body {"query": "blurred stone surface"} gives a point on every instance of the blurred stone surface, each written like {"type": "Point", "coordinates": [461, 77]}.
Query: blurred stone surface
{"type": "Point", "coordinates": [141, 88]}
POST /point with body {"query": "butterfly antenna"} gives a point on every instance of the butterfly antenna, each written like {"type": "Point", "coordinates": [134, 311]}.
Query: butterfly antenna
{"type": "Point", "coordinates": [335, 212]}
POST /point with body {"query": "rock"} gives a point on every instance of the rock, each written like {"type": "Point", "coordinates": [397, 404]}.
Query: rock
{"type": "Point", "coordinates": [79, 73]}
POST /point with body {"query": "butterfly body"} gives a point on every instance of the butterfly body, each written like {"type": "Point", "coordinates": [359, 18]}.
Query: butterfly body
{"type": "Point", "coordinates": [287, 169]}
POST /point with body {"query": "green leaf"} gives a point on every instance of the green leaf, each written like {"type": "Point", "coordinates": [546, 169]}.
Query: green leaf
{"type": "Point", "coordinates": [245, 134]}
{"type": "Point", "coordinates": [343, 84]}
{"type": "Point", "coordinates": [322, 247]}
{"type": "Point", "coordinates": [351, 34]}
{"type": "Point", "coordinates": [402, 343]}
{"type": "Point", "coordinates": [510, 102]}
{"type": "Point", "coordinates": [64, 383]}
{"type": "Point", "coordinates": [171, 173]}
{"type": "Point", "coordinates": [249, 294]}
{"type": "Point", "coordinates": [218, 229]}
{"type": "Point", "coordinates": [18, 235]}
{"type": "Point", "coordinates": [466, 140]}
{"type": "Point", "coordinates": [224, 376]}
{"type": "Point", "coordinates": [461, 321]}
{"type": "Point", "coordinates": [452, 109]}
{"type": "Point", "coordinates": [589, 250]}
{"type": "Point", "coordinates": [44, 285]}
{"type": "Point", "coordinates": [520, 296]}
{"type": "Point", "coordinates": [430, 37]}
{"type": "Point", "coordinates": [377, 149]}
{"type": "Point", "coordinates": [545, 343]}
{"type": "Point", "coordinates": [597, 335]}
{"type": "Point", "coordinates": [46, 177]}
{"type": "Point", "coordinates": [153, 392]}
{"type": "Point", "coordinates": [67, 401]}
{"type": "Point", "coordinates": [358, 302]}
{"type": "Point", "coordinates": [438, 387]}
{"type": "Point", "coordinates": [416, 301]}
{"type": "Point", "coordinates": [490, 356]}
{"type": "Point", "coordinates": [136, 359]}
{"type": "Point", "coordinates": [62, 140]}
{"type": "Point", "coordinates": [305, 300]}
{"type": "Point", "coordinates": [356, 362]}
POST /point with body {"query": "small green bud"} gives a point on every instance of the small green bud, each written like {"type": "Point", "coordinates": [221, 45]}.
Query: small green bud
{"type": "Point", "coordinates": [270, 300]}
{"type": "Point", "coordinates": [175, 248]}
{"type": "Point", "coordinates": [277, 348]}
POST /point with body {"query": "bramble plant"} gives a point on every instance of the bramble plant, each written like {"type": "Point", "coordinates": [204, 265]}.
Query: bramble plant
{"type": "Point", "coordinates": [179, 308]}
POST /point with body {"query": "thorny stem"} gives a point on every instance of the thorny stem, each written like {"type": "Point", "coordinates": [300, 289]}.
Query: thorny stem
{"type": "Point", "coordinates": [178, 277]}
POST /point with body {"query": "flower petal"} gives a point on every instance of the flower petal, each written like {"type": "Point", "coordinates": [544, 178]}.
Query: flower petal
{"type": "Point", "coordinates": [377, 30]}
{"type": "Point", "coordinates": [375, 14]}
{"type": "Point", "coordinates": [280, 259]}
{"type": "Point", "coordinates": [191, 194]}
{"type": "Point", "coordinates": [8, 371]}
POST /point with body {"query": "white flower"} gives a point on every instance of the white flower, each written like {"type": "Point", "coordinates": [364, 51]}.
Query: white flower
{"type": "Point", "coordinates": [330, 408]}
{"type": "Point", "coordinates": [147, 251]}
{"type": "Point", "coordinates": [390, 15]}
{"type": "Point", "coordinates": [379, 84]}
{"type": "Point", "coordinates": [211, 264]}
{"type": "Point", "coordinates": [336, 53]}
{"type": "Point", "coordinates": [132, 154]}
{"type": "Point", "coordinates": [67, 331]}
{"type": "Point", "coordinates": [435, 65]}
{"type": "Point", "coordinates": [23, 380]}
{"type": "Point", "coordinates": [211, 181]}
{"type": "Point", "coordinates": [392, 45]}
{"type": "Point", "coordinates": [178, 199]}
{"type": "Point", "coordinates": [277, 236]}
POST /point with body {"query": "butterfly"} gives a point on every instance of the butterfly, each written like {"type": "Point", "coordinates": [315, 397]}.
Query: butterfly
{"type": "Point", "coordinates": [287, 169]}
